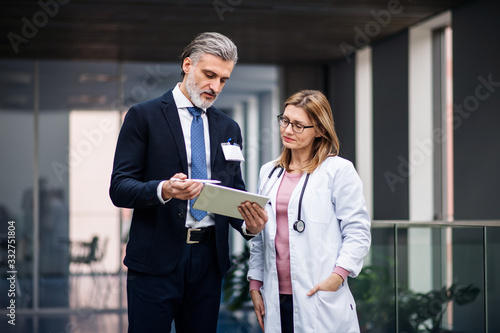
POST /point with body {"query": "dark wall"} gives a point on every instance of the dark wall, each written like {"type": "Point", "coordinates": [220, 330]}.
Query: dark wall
{"type": "Point", "coordinates": [300, 77]}
{"type": "Point", "coordinates": [476, 95]}
{"type": "Point", "coordinates": [336, 81]}
{"type": "Point", "coordinates": [341, 94]}
{"type": "Point", "coordinates": [390, 128]}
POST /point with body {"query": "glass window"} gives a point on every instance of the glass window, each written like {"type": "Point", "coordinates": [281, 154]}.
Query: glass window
{"type": "Point", "coordinates": [79, 238]}
{"type": "Point", "coordinates": [17, 193]}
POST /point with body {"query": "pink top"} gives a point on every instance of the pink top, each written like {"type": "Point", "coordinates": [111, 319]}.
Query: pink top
{"type": "Point", "coordinates": [288, 184]}
{"type": "Point", "coordinates": [285, 190]}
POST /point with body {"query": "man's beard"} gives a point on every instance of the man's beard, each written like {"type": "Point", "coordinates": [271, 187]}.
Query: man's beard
{"type": "Point", "coordinates": [195, 93]}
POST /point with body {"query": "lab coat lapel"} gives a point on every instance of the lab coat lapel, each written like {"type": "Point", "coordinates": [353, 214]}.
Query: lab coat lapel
{"type": "Point", "coordinates": [271, 188]}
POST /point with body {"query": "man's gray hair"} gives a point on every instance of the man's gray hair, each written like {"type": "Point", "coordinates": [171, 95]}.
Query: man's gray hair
{"type": "Point", "coordinates": [212, 43]}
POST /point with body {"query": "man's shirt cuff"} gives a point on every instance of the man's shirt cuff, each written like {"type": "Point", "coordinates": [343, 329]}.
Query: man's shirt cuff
{"type": "Point", "coordinates": [159, 191]}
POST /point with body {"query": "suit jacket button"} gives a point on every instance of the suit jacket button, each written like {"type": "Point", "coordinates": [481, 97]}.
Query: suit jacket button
{"type": "Point", "coordinates": [181, 215]}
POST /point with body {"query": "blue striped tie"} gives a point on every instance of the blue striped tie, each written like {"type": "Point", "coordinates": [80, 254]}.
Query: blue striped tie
{"type": "Point", "coordinates": [198, 157]}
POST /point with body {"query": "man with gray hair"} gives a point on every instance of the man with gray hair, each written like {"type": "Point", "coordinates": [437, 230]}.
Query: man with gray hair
{"type": "Point", "coordinates": [177, 255]}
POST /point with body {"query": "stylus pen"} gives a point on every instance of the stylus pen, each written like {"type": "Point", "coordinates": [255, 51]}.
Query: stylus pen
{"type": "Point", "coordinates": [209, 181]}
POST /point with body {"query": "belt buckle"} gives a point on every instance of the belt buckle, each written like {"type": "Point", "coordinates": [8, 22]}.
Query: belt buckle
{"type": "Point", "coordinates": [188, 238]}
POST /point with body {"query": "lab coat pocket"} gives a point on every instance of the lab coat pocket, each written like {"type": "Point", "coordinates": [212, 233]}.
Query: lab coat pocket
{"type": "Point", "coordinates": [329, 294]}
{"type": "Point", "coordinates": [323, 294]}
{"type": "Point", "coordinates": [336, 309]}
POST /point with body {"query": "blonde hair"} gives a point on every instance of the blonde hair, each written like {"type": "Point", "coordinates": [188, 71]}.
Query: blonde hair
{"type": "Point", "coordinates": [318, 109]}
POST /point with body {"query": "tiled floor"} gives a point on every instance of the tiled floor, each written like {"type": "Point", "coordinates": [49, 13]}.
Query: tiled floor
{"type": "Point", "coordinates": [95, 302]}
{"type": "Point", "coordinates": [90, 322]}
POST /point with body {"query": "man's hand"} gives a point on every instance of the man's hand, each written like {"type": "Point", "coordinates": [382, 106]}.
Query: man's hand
{"type": "Point", "coordinates": [332, 283]}
{"type": "Point", "coordinates": [258, 306]}
{"type": "Point", "coordinates": [254, 215]}
{"type": "Point", "coordinates": [183, 189]}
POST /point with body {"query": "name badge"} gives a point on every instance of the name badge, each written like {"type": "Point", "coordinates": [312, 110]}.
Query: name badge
{"type": "Point", "coordinates": [232, 152]}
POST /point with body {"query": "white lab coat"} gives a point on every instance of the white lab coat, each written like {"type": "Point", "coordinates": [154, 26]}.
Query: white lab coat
{"type": "Point", "coordinates": [337, 232]}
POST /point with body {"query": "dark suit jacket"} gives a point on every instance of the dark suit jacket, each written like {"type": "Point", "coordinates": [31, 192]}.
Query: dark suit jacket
{"type": "Point", "coordinates": [150, 149]}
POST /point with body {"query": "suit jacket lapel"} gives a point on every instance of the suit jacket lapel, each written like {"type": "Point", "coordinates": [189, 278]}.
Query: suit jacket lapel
{"type": "Point", "coordinates": [171, 114]}
{"type": "Point", "coordinates": [213, 128]}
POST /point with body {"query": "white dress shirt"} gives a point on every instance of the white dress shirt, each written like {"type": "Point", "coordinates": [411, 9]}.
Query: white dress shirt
{"type": "Point", "coordinates": [182, 103]}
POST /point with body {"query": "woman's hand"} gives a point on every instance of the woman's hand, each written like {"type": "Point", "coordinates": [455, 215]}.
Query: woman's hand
{"type": "Point", "coordinates": [258, 306]}
{"type": "Point", "coordinates": [331, 283]}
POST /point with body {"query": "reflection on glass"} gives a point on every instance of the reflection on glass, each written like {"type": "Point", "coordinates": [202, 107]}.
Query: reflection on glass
{"type": "Point", "coordinates": [373, 289]}
{"type": "Point", "coordinates": [468, 269]}
{"type": "Point", "coordinates": [493, 282]}
{"type": "Point", "coordinates": [439, 308]}
{"type": "Point", "coordinates": [94, 221]}
{"type": "Point", "coordinates": [75, 163]}
{"type": "Point", "coordinates": [16, 178]}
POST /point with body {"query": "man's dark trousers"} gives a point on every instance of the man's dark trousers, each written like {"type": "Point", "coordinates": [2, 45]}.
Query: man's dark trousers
{"type": "Point", "coordinates": [190, 294]}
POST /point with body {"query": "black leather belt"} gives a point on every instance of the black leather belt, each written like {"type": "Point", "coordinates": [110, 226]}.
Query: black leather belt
{"type": "Point", "coordinates": [199, 235]}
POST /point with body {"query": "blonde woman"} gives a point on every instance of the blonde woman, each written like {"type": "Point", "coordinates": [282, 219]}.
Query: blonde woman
{"type": "Point", "coordinates": [318, 230]}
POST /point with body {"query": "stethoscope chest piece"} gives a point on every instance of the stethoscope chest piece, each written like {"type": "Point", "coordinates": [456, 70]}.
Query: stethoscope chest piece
{"type": "Point", "coordinates": [299, 226]}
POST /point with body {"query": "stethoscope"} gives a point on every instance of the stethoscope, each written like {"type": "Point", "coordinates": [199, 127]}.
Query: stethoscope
{"type": "Point", "coordinates": [299, 225]}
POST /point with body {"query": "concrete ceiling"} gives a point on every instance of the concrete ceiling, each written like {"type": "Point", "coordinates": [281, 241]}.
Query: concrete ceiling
{"type": "Point", "coordinates": [265, 31]}
{"type": "Point", "coordinates": [140, 38]}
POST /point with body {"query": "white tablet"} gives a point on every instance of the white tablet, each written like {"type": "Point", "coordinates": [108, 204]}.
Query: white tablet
{"type": "Point", "coordinates": [225, 200]}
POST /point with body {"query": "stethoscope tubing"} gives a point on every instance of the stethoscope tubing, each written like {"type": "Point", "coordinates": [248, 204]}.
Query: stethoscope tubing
{"type": "Point", "coordinates": [269, 178]}
{"type": "Point", "coordinates": [300, 198]}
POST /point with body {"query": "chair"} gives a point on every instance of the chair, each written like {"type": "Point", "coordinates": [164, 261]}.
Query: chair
{"type": "Point", "coordinates": [91, 254]}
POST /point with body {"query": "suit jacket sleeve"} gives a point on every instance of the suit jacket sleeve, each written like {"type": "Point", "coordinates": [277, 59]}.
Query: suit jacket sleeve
{"type": "Point", "coordinates": [127, 188]}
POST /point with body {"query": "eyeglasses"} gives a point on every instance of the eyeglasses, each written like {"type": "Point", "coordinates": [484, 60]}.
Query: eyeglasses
{"type": "Point", "coordinates": [297, 128]}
